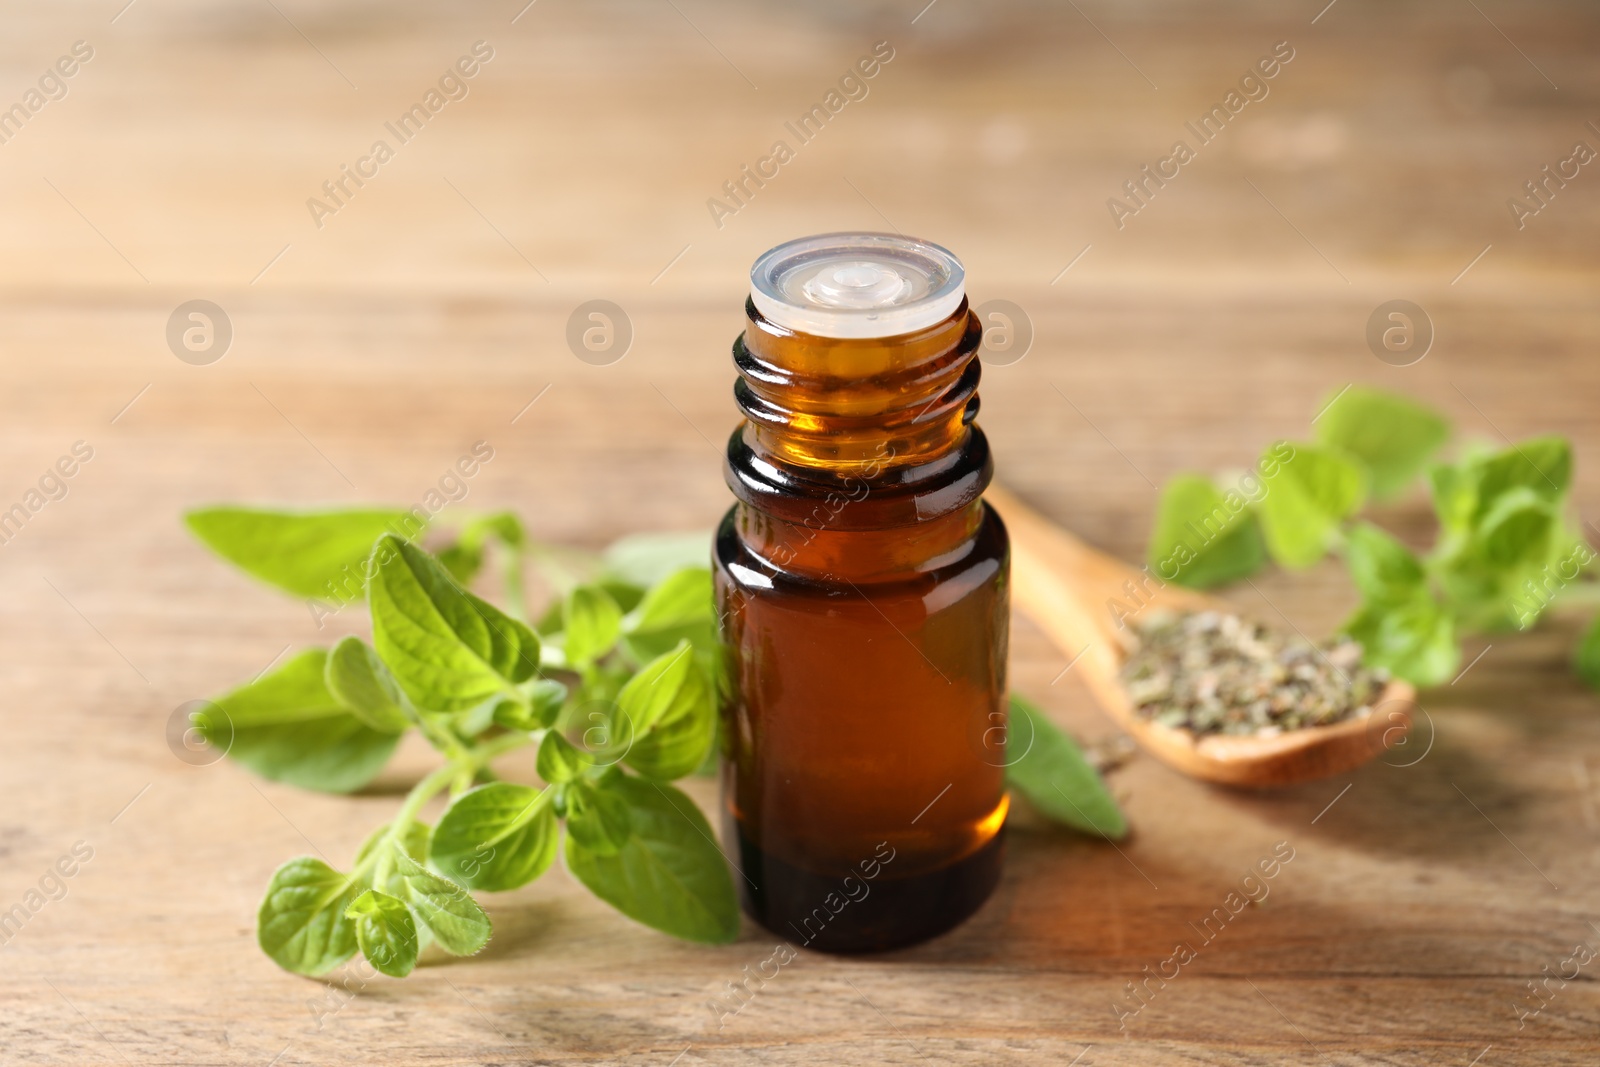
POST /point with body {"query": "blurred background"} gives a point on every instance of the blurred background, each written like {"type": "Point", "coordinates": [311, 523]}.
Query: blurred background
{"type": "Point", "coordinates": [358, 334]}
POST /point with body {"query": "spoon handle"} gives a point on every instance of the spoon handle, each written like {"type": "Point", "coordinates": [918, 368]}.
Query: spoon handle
{"type": "Point", "coordinates": [1080, 597]}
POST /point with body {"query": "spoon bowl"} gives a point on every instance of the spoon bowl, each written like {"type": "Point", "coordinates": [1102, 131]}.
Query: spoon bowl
{"type": "Point", "coordinates": [1084, 599]}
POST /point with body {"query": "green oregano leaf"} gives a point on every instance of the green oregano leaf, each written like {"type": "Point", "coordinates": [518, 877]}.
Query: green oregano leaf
{"type": "Point", "coordinates": [1051, 772]}
{"type": "Point", "coordinates": [677, 745]}
{"type": "Point", "coordinates": [668, 714]}
{"type": "Point", "coordinates": [385, 931]}
{"type": "Point", "coordinates": [1412, 637]}
{"type": "Point", "coordinates": [448, 649]}
{"type": "Point", "coordinates": [1505, 543]}
{"type": "Point", "coordinates": [598, 816]}
{"type": "Point", "coordinates": [669, 875]}
{"type": "Point", "coordinates": [680, 607]}
{"type": "Point", "coordinates": [664, 689]}
{"type": "Point", "coordinates": [1542, 464]}
{"type": "Point", "coordinates": [1202, 536]}
{"type": "Point", "coordinates": [1518, 528]}
{"type": "Point", "coordinates": [681, 598]}
{"type": "Point", "coordinates": [592, 625]}
{"type": "Point", "coordinates": [1390, 435]}
{"type": "Point", "coordinates": [457, 922]}
{"type": "Point", "coordinates": [288, 727]}
{"type": "Point", "coordinates": [1382, 568]}
{"type": "Point", "coordinates": [1307, 495]}
{"type": "Point", "coordinates": [1401, 625]}
{"type": "Point", "coordinates": [302, 923]}
{"type": "Point", "coordinates": [358, 679]}
{"type": "Point", "coordinates": [560, 761]}
{"type": "Point", "coordinates": [317, 554]}
{"type": "Point", "coordinates": [496, 837]}
{"type": "Point", "coordinates": [645, 560]}
{"type": "Point", "coordinates": [414, 843]}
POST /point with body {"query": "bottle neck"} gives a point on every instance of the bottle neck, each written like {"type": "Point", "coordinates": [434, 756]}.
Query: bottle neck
{"type": "Point", "coordinates": [857, 434]}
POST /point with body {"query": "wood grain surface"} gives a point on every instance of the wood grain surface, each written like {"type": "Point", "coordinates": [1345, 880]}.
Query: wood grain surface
{"type": "Point", "coordinates": [1425, 892]}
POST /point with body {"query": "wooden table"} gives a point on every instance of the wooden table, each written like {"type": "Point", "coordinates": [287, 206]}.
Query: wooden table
{"type": "Point", "coordinates": [430, 310]}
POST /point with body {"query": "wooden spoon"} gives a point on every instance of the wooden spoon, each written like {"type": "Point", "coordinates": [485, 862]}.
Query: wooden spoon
{"type": "Point", "coordinates": [1065, 586]}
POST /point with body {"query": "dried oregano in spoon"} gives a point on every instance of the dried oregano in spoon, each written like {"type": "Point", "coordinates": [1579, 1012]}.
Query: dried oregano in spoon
{"type": "Point", "coordinates": [1214, 673]}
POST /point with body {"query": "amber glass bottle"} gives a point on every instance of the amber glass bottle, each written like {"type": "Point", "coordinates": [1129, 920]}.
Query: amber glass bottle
{"type": "Point", "coordinates": [862, 584]}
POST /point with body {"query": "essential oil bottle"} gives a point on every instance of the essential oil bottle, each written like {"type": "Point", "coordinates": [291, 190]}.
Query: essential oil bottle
{"type": "Point", "coordinates": [863, 588]}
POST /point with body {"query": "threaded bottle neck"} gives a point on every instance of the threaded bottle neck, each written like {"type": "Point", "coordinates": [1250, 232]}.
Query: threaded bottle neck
{"type": "Point", "coordinates": [885, 423]}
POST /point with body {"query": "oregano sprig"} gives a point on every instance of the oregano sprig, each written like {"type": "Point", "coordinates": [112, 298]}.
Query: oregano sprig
{"type": "Point", "coordinates": [617, 699]}
{"type": "Point", "coordinates": [1507, 547]}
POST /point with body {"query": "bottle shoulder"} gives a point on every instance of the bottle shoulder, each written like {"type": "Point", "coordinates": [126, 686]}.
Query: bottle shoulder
{"type": "Point", "coordinates": [959, 547]}
{"type": "Point", "coordinates": [872, 499]}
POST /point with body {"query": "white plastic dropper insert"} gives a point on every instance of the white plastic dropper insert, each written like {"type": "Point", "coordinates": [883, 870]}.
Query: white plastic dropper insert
{"type": "Point", "coordinates": [857, 284]}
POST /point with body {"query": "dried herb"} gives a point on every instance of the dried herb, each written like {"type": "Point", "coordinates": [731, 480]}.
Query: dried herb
{"type": "Point", "coordinates": [1214, 673]}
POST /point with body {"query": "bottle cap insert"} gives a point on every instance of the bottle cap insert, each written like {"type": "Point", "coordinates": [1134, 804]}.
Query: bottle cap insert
{"type": "Point", "coordinates": [857, 285]}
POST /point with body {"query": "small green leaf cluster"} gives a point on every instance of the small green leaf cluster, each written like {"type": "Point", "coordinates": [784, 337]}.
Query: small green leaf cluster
{"type": "Point", "coordinates": [1506, 546]}
{"type": "Point", "coordinates": [613, 685]}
